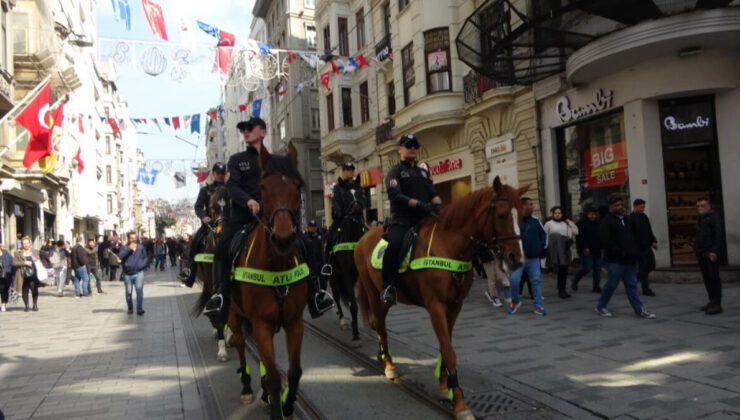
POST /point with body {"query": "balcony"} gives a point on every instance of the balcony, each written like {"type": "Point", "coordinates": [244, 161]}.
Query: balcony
{"type": "Point", "coordinates": [384, 132]}
{"type": "Point", "coordinates": [476, 84]}
{"type": "Point", "coordinates": [383, 49]}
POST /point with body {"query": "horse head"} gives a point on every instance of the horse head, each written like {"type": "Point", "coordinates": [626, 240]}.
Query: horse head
{"type": "Point", "coordinates": [281, 186]}
{"type": "Point", "coordinates": [351, 198]}
{"type": "Point", "coordinates": [217, 200]}
{"type": "Point", "coordinates": [505, 210]}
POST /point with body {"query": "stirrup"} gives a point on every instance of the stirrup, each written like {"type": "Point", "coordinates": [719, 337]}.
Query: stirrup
{"type": "Point", "coordinates": [214, 304]}
{"type": "Point", "coordinates": [389, 295]}
{"type": "Point", "coordinates": [327, 270]}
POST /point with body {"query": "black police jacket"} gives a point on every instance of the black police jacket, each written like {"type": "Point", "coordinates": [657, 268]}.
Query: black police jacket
{"type": "Point", "coordinates": [337, 206]}
{"type": "Point", "coordinates": [201, 204]}
{"type": "Point", "coordinates": [404, 182]}
{"type": "Point", "coordinates": [243, 183]}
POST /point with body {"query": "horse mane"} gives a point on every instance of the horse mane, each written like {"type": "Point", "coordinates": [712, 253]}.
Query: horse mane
{"type": "Point", "coordinates": [459, 213]}
{"type": "Point", "coordinates": [282, 165]}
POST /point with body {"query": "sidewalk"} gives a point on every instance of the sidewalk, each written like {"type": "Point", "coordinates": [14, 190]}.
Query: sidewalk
{"type": "Point", "coordinates": [682, 365]}
{"type": "Point", "coordinates": [87, 358]}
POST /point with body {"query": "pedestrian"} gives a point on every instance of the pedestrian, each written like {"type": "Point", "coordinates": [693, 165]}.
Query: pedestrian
{"type": "Point", "coordinates": [646, 243]}
{"type": "Point", "coordinates": [497, 280]}
{"type": "Point", "coordinates": [172, 250]}
{"type": "Point", "coordinates": [708, 248]}
{"type": "Point", "coordinates": [534, 244]}
{"type": "Point", "coordinates": [160, 253]}
{"type": "Point", "coordinates": [113, 260]}
{"type": "Point", "coordinates": [560, 234]}
{"type": "Point", "coordinates": [79, 266]}
{"type": "Point", "coordinates": [620, 258]}
{"type": "Point", "coordinates": [102, 256]}
{"type": "Point", "coordinates": [6, 276]}
{"type": "Point", "coordinates": [93, 266]}
{"type": "Point", "coordinates": [24, 261]}
{"type": "Point", "coordinates": [59, 259]}
{"type": "Point", "coordinates": [149, 246]}
{"type": "Point", "coordinates": [183, 255]}
{"type": "Point", "coordinates": [588, 245]}
{"type": "Point", "coordinates": [134, 258]}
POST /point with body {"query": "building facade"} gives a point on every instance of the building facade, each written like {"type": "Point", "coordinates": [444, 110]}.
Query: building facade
{"type": "Point", "coordinates": [470, 130]}
{"type": "Point", "coordinates": [640, 105]}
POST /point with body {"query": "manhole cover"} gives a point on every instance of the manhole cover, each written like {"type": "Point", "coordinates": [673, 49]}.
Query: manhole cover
{"type": "Point", "coordinates": [485, 404]}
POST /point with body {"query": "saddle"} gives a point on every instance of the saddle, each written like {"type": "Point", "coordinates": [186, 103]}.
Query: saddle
{"type": "Point", "coordinates": [239, 241]}
{"type": "Point", "coordinates": [408, 243]}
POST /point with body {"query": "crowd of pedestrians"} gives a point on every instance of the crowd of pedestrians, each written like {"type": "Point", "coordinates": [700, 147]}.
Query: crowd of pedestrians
{"type": "Point", "coordinates": [23, 270]}
{"type": "Point", "coordinates": [623, 243]}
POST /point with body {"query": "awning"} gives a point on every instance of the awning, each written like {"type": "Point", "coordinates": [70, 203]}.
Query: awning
{"type": "Point", "coordinates": [520, 46]}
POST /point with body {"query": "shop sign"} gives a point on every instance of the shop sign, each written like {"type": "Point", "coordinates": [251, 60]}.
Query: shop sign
{"type": "Point", "coordinates": [447, 165]}
{"type": "Point", "coordinates": [685, 123]}
{"type": "Point", "coordinates": [606, 166]}
{"type": "Point", "coordinates": [500, 148]}
{"type": "Point", "coordinates": [566, 113]}
{"type": "Point", "coordinates": [370, 178]}
{"type": "Point", "coordinates": [671, 124]}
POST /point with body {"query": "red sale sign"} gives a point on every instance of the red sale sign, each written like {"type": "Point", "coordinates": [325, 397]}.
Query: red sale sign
{"type": "Point", "coordinates": [606, 166]}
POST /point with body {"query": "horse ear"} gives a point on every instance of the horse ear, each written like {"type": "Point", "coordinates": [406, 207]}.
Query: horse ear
{"type": "Point", "coordinates": [498, 187]}
{"type": "Point", "coordinates": [264, 157]}
{"type": "Point", "coordinates": [293, 154]}
{"type": "Point", "coordinates": [520, 191]}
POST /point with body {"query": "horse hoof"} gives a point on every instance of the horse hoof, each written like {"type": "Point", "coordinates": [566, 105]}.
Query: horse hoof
{"type": "Point", "coordinates": [465, 415]}
{"type": "Point", "coordinates": [444, 394]}
{"type": "Point", "coordinates": [222, 358]}
{"type": "Point", "coordinates": [247, 399]}
{"type": "Point", "coordinates": [390, 373]}
{"type": "Point", "coordinates": [344, 324]}
{"type": "Point", "coordinates": [215, 333]}
{"type": "Point", "coordinates": [227, 337]}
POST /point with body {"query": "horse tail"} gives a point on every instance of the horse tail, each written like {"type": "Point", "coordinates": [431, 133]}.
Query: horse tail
{"type": "Point", "coordinates": [362, 303]}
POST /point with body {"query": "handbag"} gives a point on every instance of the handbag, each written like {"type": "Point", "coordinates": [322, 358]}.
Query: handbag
{"type": "Point", "coordinates": [42, 274]}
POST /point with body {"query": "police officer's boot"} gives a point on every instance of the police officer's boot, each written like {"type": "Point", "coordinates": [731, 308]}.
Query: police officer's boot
{"type": "Point", "coordinates": [190, 271]}
{"type": "Point", "coordinates": [319, 300]}
{"type": "Point", "coordinates": [390, 270]}
{"type": "Point", "coordinates": [389, 293]}
{"type": "Point", "coordinates": [220, 284]}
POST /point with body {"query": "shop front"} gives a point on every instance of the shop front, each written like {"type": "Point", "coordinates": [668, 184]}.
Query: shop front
{"type": "Point", "coordinates": [641, 134]}
{"type": "Point", "coordinates": [451, 175]}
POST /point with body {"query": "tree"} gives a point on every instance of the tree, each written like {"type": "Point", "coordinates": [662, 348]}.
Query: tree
{"type": "Point", "coordinates": [162, 223]}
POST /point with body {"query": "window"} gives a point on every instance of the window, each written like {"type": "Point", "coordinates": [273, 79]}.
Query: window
{"type": "Point", "coordinates": [437, 55]}
{"type": "Point", "coordinates": [109, 202]}
{"type": "Point", "coordinates": [364, 103]}
{"type": "Point", "coordinates": [311, 36]}
{"type": "Point", "coordinates": [106, 110]}
{"type": "Point", "coordinates": [20, 33]}
{"type": "Point", "coordinates": [360, 28]}
{"type": "Point", "coordinates": [317, 200]}
{"type": "Point", "coordinates": [315, 118]}
{"type": "Point", "coordinates": [108, 174]}
{"type": "Point", "coordinates": [309, 3]}
{"type": "Point", "coordinates": [282, 130]}
{"type": "Point", "coordinates": [343, 37]}
{"type": "Point", "coordinates": [330, 111]}
{"type": "Point", "coordinates": [327, 39]}
{"type": "Point", "coordinates": [108, 149]}
{"type": "Point", "coordinates": [314, 158]}
{"type": "Point", "coordinates": [402, 4]}
{"type": "Point", "coordinates": [409, 77]}
{"type": "Point", "coordinates": [387, 19]}
{"type": "Point", "coordinates": [346, 107]}
{"type": "Point", "coordinates": [391, 98]}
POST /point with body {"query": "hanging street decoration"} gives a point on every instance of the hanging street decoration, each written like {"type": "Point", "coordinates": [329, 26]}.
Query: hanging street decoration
{"type": "Point", "coordinates": [154, 15]}
{"type": "Point", "coordinates": [153, 61]}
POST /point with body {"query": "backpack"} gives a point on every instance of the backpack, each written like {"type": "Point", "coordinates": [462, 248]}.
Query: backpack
{"type": "Point", "coordinates": [55, 258]}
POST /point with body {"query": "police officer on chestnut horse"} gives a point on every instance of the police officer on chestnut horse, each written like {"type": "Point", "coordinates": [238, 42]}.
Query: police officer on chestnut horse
{"type": "Point", "coordinates": [413, 197]}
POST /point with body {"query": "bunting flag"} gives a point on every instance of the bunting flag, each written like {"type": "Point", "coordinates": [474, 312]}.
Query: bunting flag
{"type": "Point", "coordinates": [195, 124]}
{"type": "Point", "coordinates": [212, 113]}
{"type": "Point", "coordinates": [325, 80]}
{"type": "Point", "coordinates": [154, 120]}
{"type": "Point", "coordinates": [201, 175]}
{"type": "Point", "coordinates": [176, 123]}
{"type": "Point", "coordinates": [187, 121]}
{"type": "Point", "coordinates": [122, 12]}
{"type": "Point", "coordinates": [225, 39]}
{"type": "Point", "coordinates": [114, 126]}
{"type": "Point", "coordinates": [313, 60]}
{"type": "Point", "coordinates": [291, 57]}
{"type": "Point", "coordinates": [81, 124]}
{"type": "Point", "coordinates": [155, 17]}
{"type": "Point", "coordinates": [299, 88]}
{"type": "Point", "coordinates": [257, 107]}
{"type": "Point", "coordinates": [78, 159]}
{"type": "Point", "coordinates": [361, 62]}
{"type": "Point", "coordinates": [334, 68]}
{"type": "Point", "coordinates": [350, 67]}
{"type": "Point", "coordinates": [167, 121]}
{"type": "Point", "coordinates": [282, 91]}
{"type": "Point", "coordinates": [147, 177]}
{"type": "Point", "coordinates": [179, 179]}
{"type": "Point", "coordinates": [265, 48]}
{"type": "Point", "coordinates": [243, 107]}
{"type": "Point", "coordinates": [143, 120]}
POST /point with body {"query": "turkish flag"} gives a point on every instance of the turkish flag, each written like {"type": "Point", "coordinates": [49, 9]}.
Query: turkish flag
{"type": "Point", "coordinates": [226, 39]}
{"type": "Point", "coordinates": [223, 59]}
{"type": "Point", "coordinates": [154, 15]}
{"type": "Point", "coordinates": [35, 118]}
{"type": "Point", "coordinates": [114, 126]}
{"type": "Point", "coordinates": [201, 175]}
{"type": "Point", "coordinates": [176, 122]}
{"type": "Point", "coordinates": [78, 158]}
{"type": "Point", "coordinates": [325, 80]}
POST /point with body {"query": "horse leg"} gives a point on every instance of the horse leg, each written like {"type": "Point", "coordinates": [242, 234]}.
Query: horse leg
{"type": "Point", "coordinates": [222, 356]}
{"type": "Point", "coordinates": [263, 334]}
{"type": "Point", "coordinates": [438, 315]}
{"type": "Point", "coordinates": [440, 372]}
{"type": "Point", "coordinates": [246, 396]}
{"type": "Point", "coordinates": [384, 352]}
{"type": "Point", "coordinates": [353, 312]}
{"type": "Point", "coordinates": [294, 340]}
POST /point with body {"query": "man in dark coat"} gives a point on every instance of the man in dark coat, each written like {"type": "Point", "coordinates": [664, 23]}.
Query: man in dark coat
{"type": "Point", "coordinates": [646, 243]}
{"type": "Point", "coordinates": [620, 257]}
{"type": "Point", "coordinates": [588, 245]}
{"type": "Point", "coordinates": [708, 246]}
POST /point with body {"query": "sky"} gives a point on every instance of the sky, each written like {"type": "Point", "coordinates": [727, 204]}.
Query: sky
{"type": "Point", "coordinates": [161, 96]}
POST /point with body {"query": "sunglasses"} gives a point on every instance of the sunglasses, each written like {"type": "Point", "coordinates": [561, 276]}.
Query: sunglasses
{"type": "Point", "coordinates": [411, 145]}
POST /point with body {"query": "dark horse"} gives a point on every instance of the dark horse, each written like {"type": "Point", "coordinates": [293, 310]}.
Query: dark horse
{"type": "Point", "coordinates": [344, 275]}
{"type": "Point", "coordinates": [489, 216]}
{"type": "Point", "coordinates": [217, 200]}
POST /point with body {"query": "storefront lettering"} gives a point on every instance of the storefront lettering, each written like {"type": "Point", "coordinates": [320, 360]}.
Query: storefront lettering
{"type": "Point", "coordinates": [671, 124]}
{"type": "Point", "coordinates": [566, 113]}
{"type": "Point", "coordinates": [446, 165]}
{"type": "Point", "coordinates": [606, 166]}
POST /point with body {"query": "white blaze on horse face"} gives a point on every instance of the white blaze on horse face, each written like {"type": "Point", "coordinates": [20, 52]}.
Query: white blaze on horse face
{"type": "Point", "coordinates": [515, 217]}
{"type": "Point", "coordinates": [353, 193]}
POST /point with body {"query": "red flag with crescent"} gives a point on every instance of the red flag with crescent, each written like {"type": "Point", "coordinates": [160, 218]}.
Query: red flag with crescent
{"type": "Point", "coordinates": [154, 15]}
{"type": "Point", "coordinates": [36, 119]}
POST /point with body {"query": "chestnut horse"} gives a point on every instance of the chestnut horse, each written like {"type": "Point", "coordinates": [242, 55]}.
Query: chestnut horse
{"type": "Point", "coordinates": [271, 249]}
{"type": "Point", "coordinates": [217, 200]}
{"type": "Point", "coordinates": [489, 216]}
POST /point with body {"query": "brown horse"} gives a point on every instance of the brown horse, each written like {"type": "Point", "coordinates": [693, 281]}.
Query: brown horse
{"type": "Point", "coordinates": [271, 247]}
{"type": "Point", "coordinates": [217, 201]}
{"type": "Point", "coordinates": [489, 216]}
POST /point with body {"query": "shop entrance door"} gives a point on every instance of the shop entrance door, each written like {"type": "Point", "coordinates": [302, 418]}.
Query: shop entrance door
{"type": "Point", "coordinates": [451, 191]}
{"type": "Point", "coordinates": [691, 165]}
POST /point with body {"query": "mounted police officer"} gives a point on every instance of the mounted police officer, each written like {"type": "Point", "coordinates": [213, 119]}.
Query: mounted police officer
{"type": "Point", "coordinates": [201, 210]}
{"type": "Point", "coordinates": [346, 182]}
{"type": "Point", "coordinates": [319, 300]}
{"type": "Point", "coordinates": [243, 185]}
{"type": "Point", "coordinates": [413, 197]}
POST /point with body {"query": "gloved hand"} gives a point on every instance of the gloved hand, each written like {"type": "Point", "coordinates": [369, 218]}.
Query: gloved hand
{"type": "Point", "coordinates": [425, 207]}
{"type": "Point", "coordinates": [436, 207]}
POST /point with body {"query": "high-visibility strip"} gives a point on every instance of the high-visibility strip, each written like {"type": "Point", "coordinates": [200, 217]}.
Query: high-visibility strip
{"type": "Point", "coordinates": [344, 246]}
{"type": "Point", "coordinates": [204, 258]}
{"type": "Point", "coordinates": [440, 263]}
{"type": "Point", "coordinates": [271, 278]}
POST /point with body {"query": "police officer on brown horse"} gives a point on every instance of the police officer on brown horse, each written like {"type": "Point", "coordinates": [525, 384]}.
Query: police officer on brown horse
{"type": "Point", "coordinates": [413, 197]}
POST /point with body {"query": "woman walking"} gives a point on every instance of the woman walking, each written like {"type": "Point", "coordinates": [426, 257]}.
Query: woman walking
{"type": "Point", "coordinates": [560, 235]}
{"type": "Point", "coordinates": [23, 261]}
{"type": "Point", "coordinates": [6, 276]}
{"type": "Point", "coordinates": [113, 260]}
{"type": "Point", "coordinates": [160, 253]}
